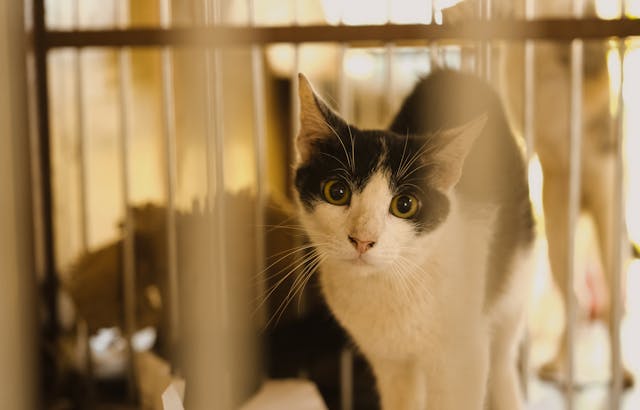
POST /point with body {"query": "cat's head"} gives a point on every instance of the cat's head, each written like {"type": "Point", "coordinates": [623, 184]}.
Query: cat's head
{"type": "Point", "coordinates": [373, 198]}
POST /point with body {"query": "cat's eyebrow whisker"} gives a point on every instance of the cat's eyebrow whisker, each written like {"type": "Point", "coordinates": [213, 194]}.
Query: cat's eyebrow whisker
{"type": "Point", "coordinates": [420, 151]}
{"type": "Point", "coordinates": [412, 159]}
{"type": "Point", "coordinates": [426, 147]}
{"type": "Point", "coordinates": [346, 153]}
{"type": "Point", "coordinates": [404, 150]}
{"type": "Point", "coordinates": [416, 169]}
{"type": "Point", "coordinates": [353, 150]}
{"type": "Point", "coordinates": [337, 159]}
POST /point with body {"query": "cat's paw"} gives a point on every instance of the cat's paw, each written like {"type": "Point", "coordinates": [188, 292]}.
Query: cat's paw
{"type": "Point", "coordinates": [553, 372]}
{"type": "Point", "coordinates": [628, 380]}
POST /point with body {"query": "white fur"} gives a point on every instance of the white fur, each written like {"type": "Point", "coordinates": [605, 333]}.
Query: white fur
{"type": "Point", "coordinates": [414, 304]}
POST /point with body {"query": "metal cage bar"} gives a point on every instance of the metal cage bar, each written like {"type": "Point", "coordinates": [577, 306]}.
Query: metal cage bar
{"type": "Point", "coordinates": [214, 34]}
{"type": "Point", "coordinates": [128, 236]}
{"type": "Point", "coordinates": [615, 287]}
{"type": "Point", "coordinates": [365, 35]}
{"type": "Point", "coordinates": [169, 131]}
{"type": "Point", "coordinates": [81, 135]}
{"type": "Point", "coordinates": [260, 140]}
{"type": "Point", "coordinates": [529, 85]}
{"type": "Point", "coordinates": [575, 149]}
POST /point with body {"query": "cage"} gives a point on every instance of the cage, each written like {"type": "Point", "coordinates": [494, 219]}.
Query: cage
{"type": "Point", "coordinates": [161, 249]}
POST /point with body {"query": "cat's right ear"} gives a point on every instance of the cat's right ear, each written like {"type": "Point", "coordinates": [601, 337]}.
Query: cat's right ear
{"type": "Point", "coordinates": [314, 119]}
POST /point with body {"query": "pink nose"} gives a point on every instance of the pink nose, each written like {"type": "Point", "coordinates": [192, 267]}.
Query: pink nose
{"type": "Point", "coordinates": [360, 245]}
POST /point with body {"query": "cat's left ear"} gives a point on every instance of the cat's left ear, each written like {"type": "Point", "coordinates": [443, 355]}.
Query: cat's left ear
{"type": "Point", "coordinates": [316, 120]}
{"type": "Point", "coordinates": [456, 143]}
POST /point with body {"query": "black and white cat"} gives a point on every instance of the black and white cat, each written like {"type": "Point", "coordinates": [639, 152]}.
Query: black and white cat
{"type": "Point", "coordinates": [423, 233]}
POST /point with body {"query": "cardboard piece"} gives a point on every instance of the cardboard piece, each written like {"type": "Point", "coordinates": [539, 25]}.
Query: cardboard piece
{"type": "Point", "coordinates": [286, 394]}
{"type": "Point", "coordinates": [173, 395]}
{"type": "Point", "coordinates": [158, 388]}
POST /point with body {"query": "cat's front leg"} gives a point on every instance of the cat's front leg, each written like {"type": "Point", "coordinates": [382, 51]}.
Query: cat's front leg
{"type": "Point", "coordinates": [400, 383]}
{"type": "Point", "coordinates": [457, 378]}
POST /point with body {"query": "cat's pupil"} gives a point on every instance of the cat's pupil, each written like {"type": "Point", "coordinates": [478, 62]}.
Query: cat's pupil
{"type": "Point", "coordinates": [404, 204]}
{"type": "Point", "coordinates": [338, 191]}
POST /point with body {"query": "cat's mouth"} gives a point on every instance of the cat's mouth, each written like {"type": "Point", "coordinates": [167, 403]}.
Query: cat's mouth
{"type": "Point", "coordinates": [361, 260]}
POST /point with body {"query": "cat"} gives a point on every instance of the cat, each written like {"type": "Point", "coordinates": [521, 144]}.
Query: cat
{"type": "Point", "coordinates": [552, 102]}
{"type": "Point", "coordinates": [422, 234]}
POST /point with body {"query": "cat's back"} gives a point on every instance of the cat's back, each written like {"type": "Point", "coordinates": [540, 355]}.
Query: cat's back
{"type": "Point", "coordinates": [448, 99]}
{"type": "Point", "coordinates": [444, 99]}
{"type": "Point", "coordinates": [494, 174]}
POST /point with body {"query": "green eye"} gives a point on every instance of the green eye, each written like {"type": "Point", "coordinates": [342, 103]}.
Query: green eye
{"type": "Point", "coordinates": [404, 206]}
{"type": "Point", "coordinates": [336, 192]}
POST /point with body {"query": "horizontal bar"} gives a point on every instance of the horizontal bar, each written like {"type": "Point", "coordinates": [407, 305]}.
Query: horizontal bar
{"type": "Point", "coordinates": [221, 35]}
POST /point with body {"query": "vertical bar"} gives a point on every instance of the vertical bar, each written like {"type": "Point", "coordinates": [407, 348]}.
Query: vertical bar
{"type": "Point", "coordinates": [480, 50]}
{"type": "Point", "coordinates": [486, 45]}
{"type": "Point", "coordinates": [344, 96]}
{"type": "Point", "coordinates": [388, 81]}
{"type": "Point", "coordinates": [218, 94]}
{"type": "Point", "coordinates": [295, 104]}
{"type": "Point", "coordinates": [345, 104]}
{"type": "Point", "coordinates": [19, 305]}
{"type": "Point", "coordinates": [346, 379]}
{"type": "Point", "coordinates": [50, 284]}
{"type": "Point", "coordinates": [616, 253]}
{"type": "Point", "coordinates": [170, 152]}
{"type": "Point", "coordinates": [575, 146]}
{"type": "Point", "coordinates": [295, 128]}
{"type": "Point", "coordinates": [81, 133]}
{"type": "Point", "coordinates": [529, 85]}
{"type": "Point", "coordinates": [434, 51]}
{"type": "Point", "coordinates": [215, 159]}
{"type": "Point", "coordinates": [128, 251]}
{"type": "Point", "coordinates": [260, 138]}
{"type": "Point", "coordinates": [214, 262]}
{"type": "Point", "coordinates": [215, 146]}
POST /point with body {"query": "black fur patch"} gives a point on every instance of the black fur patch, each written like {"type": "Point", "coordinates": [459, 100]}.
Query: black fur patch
{"type": "Point", "coordinates": [354, 155]}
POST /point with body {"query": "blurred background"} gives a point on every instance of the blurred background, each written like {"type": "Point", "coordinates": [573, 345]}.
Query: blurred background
{"type": "Point", "coordinates": [146, 206]}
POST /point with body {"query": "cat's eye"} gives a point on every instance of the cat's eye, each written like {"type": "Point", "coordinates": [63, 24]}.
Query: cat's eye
{"type": "Point", "coordinates": [336, 192]}
{"type": "Point", "coordinates": [404, 206]}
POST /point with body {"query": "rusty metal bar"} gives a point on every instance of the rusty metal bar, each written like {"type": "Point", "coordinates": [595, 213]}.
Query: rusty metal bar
{"type": "Point", "coordinates": [367, 35]}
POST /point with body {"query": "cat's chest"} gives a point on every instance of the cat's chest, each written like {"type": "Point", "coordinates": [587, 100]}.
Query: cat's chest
{"type": "Point", "coordinates": [382, 315]}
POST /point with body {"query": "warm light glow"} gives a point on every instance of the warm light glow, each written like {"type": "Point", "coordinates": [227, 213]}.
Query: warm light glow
{"type": "Point", "coordinates": [613, 64]}
{"type": "Point", "coordinates": [359, 64]}
{"type": "Point", "coordinates": [633, 8]}
{"type": "Point", "coordinates": [630, 87]}
{"type": "Point", "coordinates": [361, 12]}
{"type": "Point", "coordinates": [608, 9]}
{"type": "Point", "coordinates": [535, 185]}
